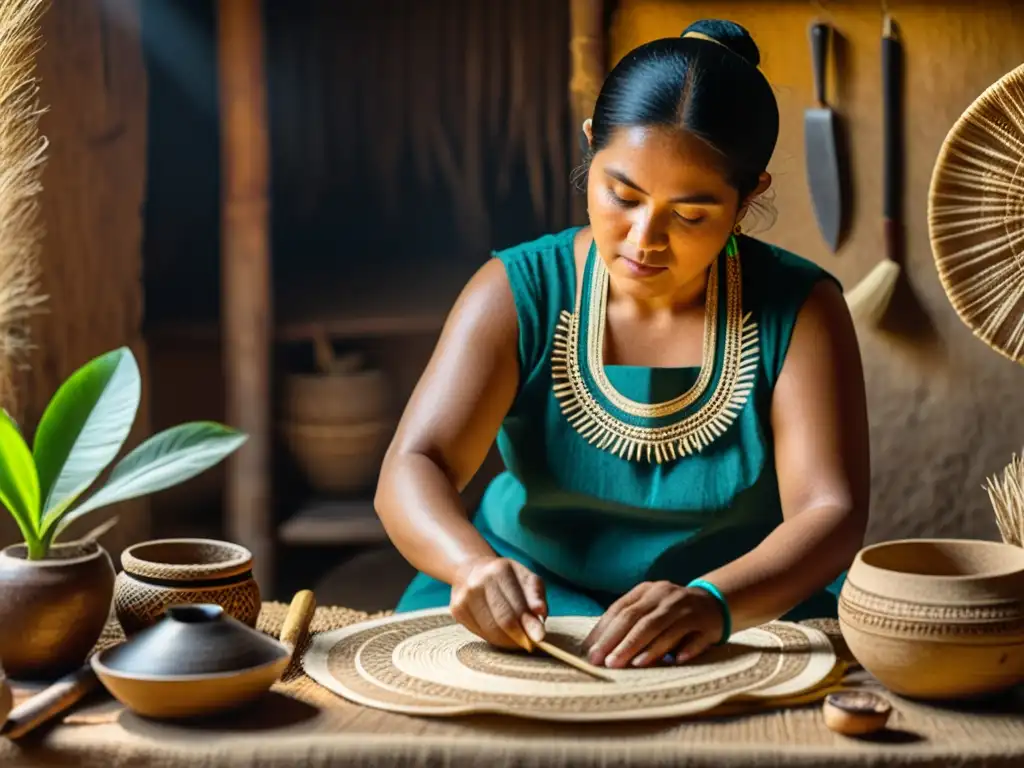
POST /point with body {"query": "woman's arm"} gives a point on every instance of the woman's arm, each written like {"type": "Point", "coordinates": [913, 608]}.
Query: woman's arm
{"type": "Point", "coordinates": [444, 436]}
{"type": "Point", "coordinates": [448, 427]}
{"type": "Point", "coordinates": [822, 455]}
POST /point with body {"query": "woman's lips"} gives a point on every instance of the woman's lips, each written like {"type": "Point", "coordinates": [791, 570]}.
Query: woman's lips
{"type": "Point", "coordinates": [640, 270]}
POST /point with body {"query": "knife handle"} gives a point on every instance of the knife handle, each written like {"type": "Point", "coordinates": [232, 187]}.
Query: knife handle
{"type": "Point", "coordinates": [891, 100]}
{"type": "Point", "coordinates": [819, 58]}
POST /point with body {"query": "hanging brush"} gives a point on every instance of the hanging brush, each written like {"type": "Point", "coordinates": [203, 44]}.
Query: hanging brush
{"type": "Point", "coordinates": [1006, 493]}
{"type": "Point", "coordinates": [869, 299]}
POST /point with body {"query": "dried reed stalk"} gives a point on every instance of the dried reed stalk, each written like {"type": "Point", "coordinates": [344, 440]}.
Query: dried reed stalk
{"type": "Point", "coordinates": [22, 156]}
{"type": "Point", "coordinates": [1006, 492]}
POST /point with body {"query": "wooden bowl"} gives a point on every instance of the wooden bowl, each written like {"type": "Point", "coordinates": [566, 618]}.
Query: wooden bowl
{"type": "Point", "coordinates": [196, 661]}
{"type": "Point", "coordinates": [338, 458]}
{"type": "Point", "coordinates": [856, 713]}
{"type": "Point", "coordinates": [937, 618]}
{"type": "Point", "coordinates": [336, 398]}
{"type": "Point", "coordinates": [166, 572]}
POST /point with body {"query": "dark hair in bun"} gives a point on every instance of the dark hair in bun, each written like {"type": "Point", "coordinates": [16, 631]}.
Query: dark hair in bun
{"type": "Point", "coordinates": [709, 87]}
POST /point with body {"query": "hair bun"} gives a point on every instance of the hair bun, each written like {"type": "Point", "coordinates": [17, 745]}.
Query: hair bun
{"type": "Point", "coordinates": [731, 35]}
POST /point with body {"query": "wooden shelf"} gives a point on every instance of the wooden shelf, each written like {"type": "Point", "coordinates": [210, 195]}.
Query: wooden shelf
{"type": "Point", "coordinates": [329, 521]}
{"type": "Point", "coordinates": [405, 303]}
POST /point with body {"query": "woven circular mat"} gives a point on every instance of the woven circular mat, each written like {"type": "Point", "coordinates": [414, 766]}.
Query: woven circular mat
{"type": "Point", "coordinates": [976, 216]}
{"type": "Point", "coordinates": [423, 663]}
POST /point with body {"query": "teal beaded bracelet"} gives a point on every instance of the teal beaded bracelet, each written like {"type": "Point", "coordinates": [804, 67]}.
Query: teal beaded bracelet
{"type": "Point", "coordinates": [712, 590]}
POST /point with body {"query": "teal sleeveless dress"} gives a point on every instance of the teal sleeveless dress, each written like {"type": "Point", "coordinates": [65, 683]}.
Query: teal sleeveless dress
{"type": "Point", "coordinates": [616, 475]}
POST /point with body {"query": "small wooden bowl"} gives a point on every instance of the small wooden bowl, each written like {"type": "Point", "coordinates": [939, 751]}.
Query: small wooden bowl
{"type": "Point", "coordinates": [196, 661]}
{"type": "Point", "coordinates": [856, 713]}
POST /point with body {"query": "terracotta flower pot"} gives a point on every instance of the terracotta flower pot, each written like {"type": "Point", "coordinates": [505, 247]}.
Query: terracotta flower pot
{"type": "Point", "coordinates": [165, 572]}
{"type": "Point", "coordinates": [937, 618]}
{"type": "Point", "coordinates": [52, 611]}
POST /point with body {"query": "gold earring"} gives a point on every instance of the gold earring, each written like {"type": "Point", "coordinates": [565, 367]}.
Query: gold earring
{"type": "Point", "coordinates": [738, 229]}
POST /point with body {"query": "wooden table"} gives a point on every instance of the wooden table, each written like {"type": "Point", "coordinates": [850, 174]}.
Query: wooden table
{"type": "Point", "coordinates": [299, 723]}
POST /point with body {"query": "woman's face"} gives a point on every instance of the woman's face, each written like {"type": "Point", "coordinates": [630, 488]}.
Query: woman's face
{"type": "Point", "coordinates": [660, 209]}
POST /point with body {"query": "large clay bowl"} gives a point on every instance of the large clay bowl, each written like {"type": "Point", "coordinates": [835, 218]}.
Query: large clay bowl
{"type": "Point", "coordinates": [339, 458]}
{"type": "Point", "coordinates": [52, 611]}
{"type": "Point", "coordinates": [937, 618]}
{"type": "Point", "coordinates": [337, 398]}
{"type": "Point", "coordinates": [166, 572]}
{"type": "Point", "coordinates": [196, 661]}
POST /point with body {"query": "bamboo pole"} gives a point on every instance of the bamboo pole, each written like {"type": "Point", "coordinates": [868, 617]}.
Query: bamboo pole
{"type": "Point", "coordinates": [589, 50]}
{"type": "Point", "coordinates": [246, 309]}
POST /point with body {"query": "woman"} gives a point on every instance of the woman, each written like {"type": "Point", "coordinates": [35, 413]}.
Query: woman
{"type": "Point", "coordinates": [680, 407]}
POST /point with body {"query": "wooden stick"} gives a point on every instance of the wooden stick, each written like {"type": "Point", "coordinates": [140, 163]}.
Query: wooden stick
{"type": "Point", "coordinates": [50, 702]}
{"type": "Point", "coordinates": [245, 274]}
{"type": "Point", "coordinates": [297, 620]}
{"type": "Point", "coordinates": [574, 661]}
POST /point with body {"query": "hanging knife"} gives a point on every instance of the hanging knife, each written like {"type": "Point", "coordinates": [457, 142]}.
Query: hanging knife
{"type": "Point", "coordinates": [820, 145]}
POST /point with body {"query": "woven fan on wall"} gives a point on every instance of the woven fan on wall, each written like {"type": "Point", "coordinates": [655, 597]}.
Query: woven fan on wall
{"type": "Point", "coordinates": [976, 216]}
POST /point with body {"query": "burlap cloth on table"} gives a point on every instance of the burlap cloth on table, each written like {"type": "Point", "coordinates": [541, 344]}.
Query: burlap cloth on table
{"type": "Point", "coordinates": [302, 723]}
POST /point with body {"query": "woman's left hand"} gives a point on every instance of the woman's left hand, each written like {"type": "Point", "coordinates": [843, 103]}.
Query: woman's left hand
{"type": "Point", "coordinates": [652, 620]}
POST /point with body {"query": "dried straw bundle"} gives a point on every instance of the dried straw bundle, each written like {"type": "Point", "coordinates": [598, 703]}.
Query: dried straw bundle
{"type": "Point", "coordinates": [22, 154]}
{"type": "Point", "coordinates": [1006, 493]}
{"type": "Point", "coordinates": [976, 216]}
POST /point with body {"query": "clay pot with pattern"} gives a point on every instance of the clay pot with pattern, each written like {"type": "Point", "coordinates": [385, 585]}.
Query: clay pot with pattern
{"type": "Point", "coordinates": [165, 572]}
{"type": "Point", "coordinates": [52, 611]}
{"type": "Point", "coordinates": [937, 618]}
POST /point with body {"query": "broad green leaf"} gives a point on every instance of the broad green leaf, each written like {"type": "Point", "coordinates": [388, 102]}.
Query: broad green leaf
{"type": "Point", "coordinates": [84, 427]}
{"type": "Point", "coordinates": [168, 458]}
{"type": "Point", "coordinates": [19, 483]}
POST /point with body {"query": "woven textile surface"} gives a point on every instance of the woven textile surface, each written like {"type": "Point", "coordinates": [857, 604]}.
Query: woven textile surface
{"type": "Point", "coordinates": [302, 723]}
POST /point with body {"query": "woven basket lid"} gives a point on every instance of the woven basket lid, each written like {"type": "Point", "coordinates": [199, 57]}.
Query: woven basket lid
{"type": "Point", "coordinates": [976, 216]}
{"type": "Point", "coordinates": [423, 663]}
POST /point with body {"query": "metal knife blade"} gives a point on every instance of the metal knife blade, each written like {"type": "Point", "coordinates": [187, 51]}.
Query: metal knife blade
{"type": "Point", "coordinates": [820, 146]}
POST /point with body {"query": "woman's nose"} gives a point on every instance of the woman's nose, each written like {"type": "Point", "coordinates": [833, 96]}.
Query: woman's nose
{"type": "Point", "coordinates": [648, 234]}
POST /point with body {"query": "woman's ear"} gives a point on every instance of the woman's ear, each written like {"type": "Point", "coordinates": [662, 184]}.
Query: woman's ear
{"type": "Point", "coordinates": [764, 181]}
{"type": "Point", "coordinates": [588, 131]}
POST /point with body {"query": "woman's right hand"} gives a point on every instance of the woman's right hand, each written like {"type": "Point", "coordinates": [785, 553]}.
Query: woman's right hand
{"type": "Point", "coordinates": [501, 601]}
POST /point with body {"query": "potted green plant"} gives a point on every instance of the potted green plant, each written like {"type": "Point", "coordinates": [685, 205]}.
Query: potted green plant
{"type": "Point", "coordinates": [55, 597]}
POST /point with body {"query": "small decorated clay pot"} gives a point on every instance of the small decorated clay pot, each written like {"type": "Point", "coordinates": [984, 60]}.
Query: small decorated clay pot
{"type": "Point", "coordinates": [166, 572]}
{"type": "Point", "coordinates": [52, 611]}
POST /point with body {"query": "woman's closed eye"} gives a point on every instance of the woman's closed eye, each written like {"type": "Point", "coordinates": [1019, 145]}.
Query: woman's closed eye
{"type": "Point", "coordinates": [620, 200]}
{"type": "Point", "coordinates": [691, 219]}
